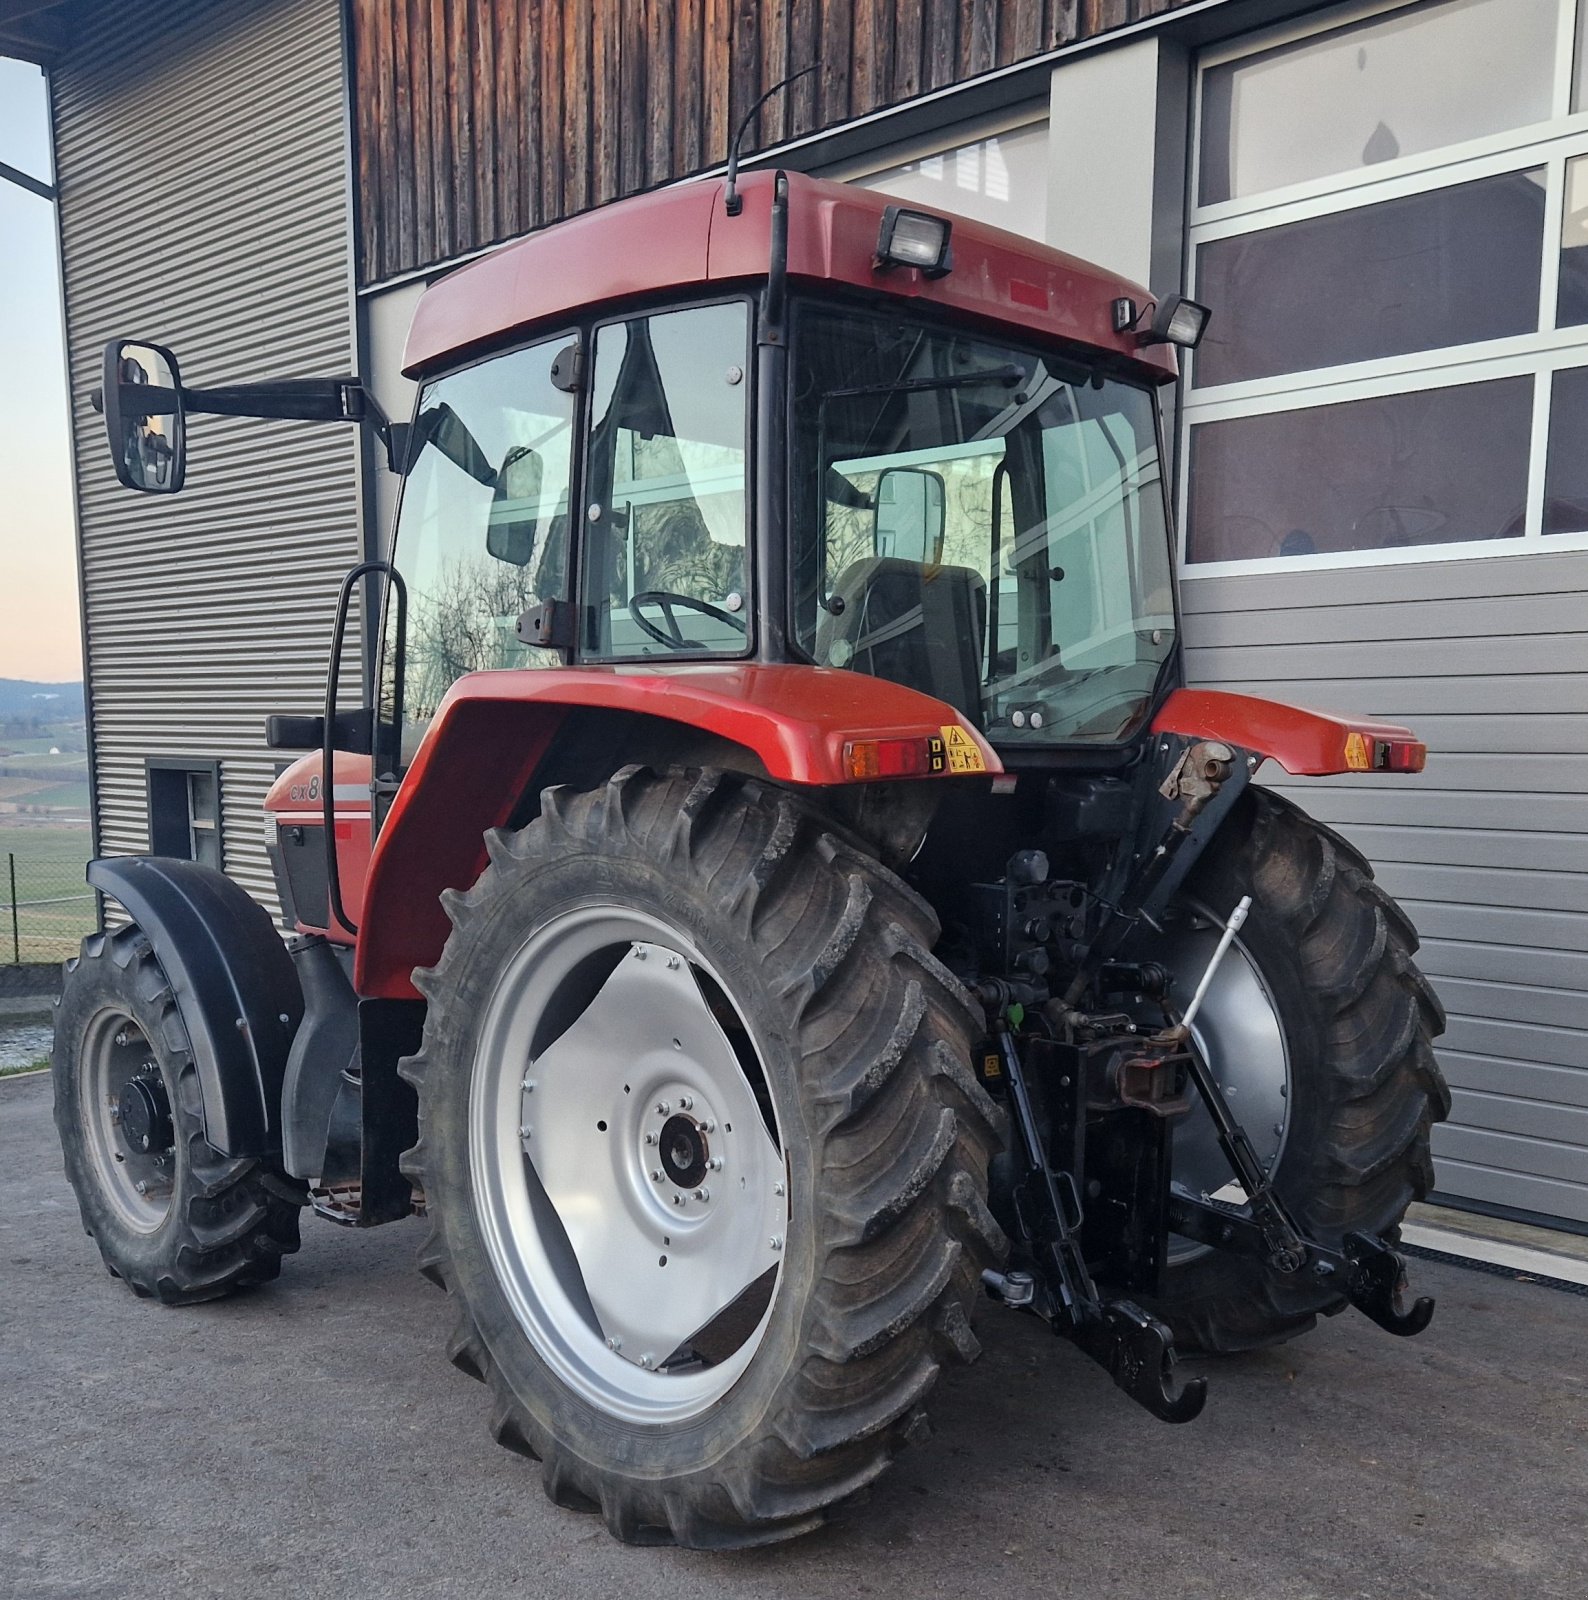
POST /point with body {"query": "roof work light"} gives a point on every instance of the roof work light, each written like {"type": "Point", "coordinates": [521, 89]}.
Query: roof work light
{"type": "Point", "coordinates": [915, 239]}
{"type": "Point", "coordinates": [1175, 320]}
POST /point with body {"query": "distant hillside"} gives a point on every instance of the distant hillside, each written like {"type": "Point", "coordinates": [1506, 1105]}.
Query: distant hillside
{"type": "Point", "coordinates": [19, 698]}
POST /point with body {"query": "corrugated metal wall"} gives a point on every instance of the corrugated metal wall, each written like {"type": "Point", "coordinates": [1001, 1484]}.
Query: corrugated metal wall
{"type": "Point", "coordinates": [1487, 849]}
{"type": "Point", "coordinates": [203, 163]}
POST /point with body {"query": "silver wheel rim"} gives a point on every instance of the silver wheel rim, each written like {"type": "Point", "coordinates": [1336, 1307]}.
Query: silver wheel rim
{"type": "Point", "coordinates": [137, 1181]}
{"type": "Point", "coordinates": [1238, 1034]}
{"type": "Point", "coordinates": [629, 1186]}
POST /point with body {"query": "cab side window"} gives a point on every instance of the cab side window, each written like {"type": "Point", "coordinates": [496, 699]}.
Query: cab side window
{"type": "Point", "coordinates": [666, 566]}
{"type": "Point", "coordinates": [482, 533]}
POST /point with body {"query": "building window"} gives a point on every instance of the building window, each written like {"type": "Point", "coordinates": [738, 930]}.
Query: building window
{"type": "Point", "coordinates": [185, 809]}
{"type": "Point", "coordinates": [1391, 225]}
{"type": "Point", "coordinates": [1000, 178]}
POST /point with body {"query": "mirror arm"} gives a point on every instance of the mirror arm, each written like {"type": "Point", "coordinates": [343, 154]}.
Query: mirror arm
{"type": "Point", "coordinates": [305, 400]}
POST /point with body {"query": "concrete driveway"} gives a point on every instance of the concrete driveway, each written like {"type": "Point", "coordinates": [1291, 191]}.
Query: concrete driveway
{"type": "Point", "coordinates": [310, 1440]}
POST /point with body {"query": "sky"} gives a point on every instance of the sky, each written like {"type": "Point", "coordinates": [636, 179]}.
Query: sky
{"type": "Point", "coordinates": [39, 631]}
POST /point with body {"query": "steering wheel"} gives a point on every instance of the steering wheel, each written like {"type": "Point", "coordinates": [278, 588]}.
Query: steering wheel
{"type": "Point", "coordinates": [674, 638]}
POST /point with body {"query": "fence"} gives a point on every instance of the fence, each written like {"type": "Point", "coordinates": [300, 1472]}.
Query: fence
{"type": "Point", "coordinates": [45, 906]}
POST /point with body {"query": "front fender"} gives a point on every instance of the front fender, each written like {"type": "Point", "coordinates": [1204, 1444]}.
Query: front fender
{"type": "Point", "coordinates": [234, 984]}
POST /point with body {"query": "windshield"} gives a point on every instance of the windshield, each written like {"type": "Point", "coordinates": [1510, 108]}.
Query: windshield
{"type": "Point", "coordinates": [981, 522]}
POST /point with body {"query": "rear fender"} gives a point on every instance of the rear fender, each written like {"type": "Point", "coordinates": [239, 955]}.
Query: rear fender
{"type": "Point", "coordinates": [1305, 743]}
{"type": "Point", "coordinates": [234, 983]}
{"type": "Point", "coordinates": [494, 735]}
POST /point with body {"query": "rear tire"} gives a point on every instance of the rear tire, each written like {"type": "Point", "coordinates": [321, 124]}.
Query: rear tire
{"type": "Point", "coordinates": [863, 1042]}
{"type": "Point", "coordinates": [204, 1224]}
{"type": "Point", "coordinates": [1359, 1021]}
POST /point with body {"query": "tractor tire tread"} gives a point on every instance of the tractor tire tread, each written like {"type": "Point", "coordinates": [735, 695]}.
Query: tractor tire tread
{"type": "Point", "coordinates": [232, 1219]}
{"type": "Point", "coordinates": [902, 1230]}
{"type": "Point", "coordinates": [1373, 1017]}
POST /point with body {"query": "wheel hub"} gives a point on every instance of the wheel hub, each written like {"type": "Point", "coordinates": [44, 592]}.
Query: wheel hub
{"type": "Point", "coordinates": [685, 1154]}
{"type": "Point", "coordinates": [143, 1114]}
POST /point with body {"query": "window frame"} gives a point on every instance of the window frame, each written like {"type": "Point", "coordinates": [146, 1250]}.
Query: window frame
{"type": "Point", "coordinates": [584, 477]}
{"type": "Point", "coordinates": [567, 333]}
{"type": "Point", "coordinates": [1549, 145]}
{"type": "Point", "coordinates": [163, 831]}
{"type": "Point", "coordinates": [1055, 752]}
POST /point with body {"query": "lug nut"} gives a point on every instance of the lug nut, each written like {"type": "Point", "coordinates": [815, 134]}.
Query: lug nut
{"type": "Point", "coordinates": [686, 1102]}
{"type": "Point", "coordinates": [656, 1174]}
{"type": "Point", "coordinates": [529, 1085]}
{"type": "Point", "coordinates": [647, 1361]}
{"type": "Point", "coordinates": [672, 963]}
{"type": "Point", "coordinates": [678, 1199]}
{"type": "Point", "coordinates": [715, 1164]}
{"type": "Point", "coordinates": [708, 1126]}
{"type": "Point", "coordinates": [141, 1186]}
{"type": "Point", "coordinates": [650, 1138]}
{"type": "Point", "coordinates": [663, 1108]}
{"type": "Point", "coordinates": [777, 1188]}
{"type": "Point", "coordinates": [777, 1241]}
{"type": "Point", "coordinates": [523, 1131]}
{"type": "Point", "coordinates": [703, 1194]}
{"type": "Point", "coordinates": [614, 1344]}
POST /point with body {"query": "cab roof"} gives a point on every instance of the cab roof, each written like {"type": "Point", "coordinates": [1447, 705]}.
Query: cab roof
{"type": "Point", "coordinates": [681, 238]}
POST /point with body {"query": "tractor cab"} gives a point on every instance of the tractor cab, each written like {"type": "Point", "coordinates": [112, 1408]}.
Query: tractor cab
{"type": "Point", "coordinates": [831, 465]}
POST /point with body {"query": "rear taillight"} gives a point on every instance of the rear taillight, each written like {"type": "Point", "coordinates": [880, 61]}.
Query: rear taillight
{"type": "Point", "coordinates": [894, 758]}
{"type": "Point", "coordinates": [1364, 753]}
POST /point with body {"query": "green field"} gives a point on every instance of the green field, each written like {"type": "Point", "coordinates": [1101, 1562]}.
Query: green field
{"type": "Point", "coordinates": [54, 906]}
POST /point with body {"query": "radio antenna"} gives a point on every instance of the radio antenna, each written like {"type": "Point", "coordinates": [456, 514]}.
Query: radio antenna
{"type": "Point", "coordinates": [732, 201]}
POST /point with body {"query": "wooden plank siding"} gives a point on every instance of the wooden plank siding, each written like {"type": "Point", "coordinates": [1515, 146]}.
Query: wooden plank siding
{"type": "Point", "coordinates": [1487, 849]}
{"type": "Point", "coordinates": [480, 120]}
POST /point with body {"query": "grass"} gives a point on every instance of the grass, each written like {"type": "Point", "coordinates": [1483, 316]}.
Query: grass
{"type": "Point", "coordinates": [49, 865]}
{"type": "Point", "coordinates": [41, 1065]}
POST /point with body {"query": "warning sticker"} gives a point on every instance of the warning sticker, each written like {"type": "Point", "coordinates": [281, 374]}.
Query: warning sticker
{"type": "Point", "coordinates": [964, 754]}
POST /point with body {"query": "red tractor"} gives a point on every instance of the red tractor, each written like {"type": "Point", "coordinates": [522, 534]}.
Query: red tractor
{"type": "Point", "coordinates": [777, 892]}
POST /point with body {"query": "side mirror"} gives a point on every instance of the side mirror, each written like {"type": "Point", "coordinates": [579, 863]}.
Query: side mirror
{"type": "Point", "coordinates": [910, 515]}
{"type": "Point", "coordinates": [515, 507]}
{"type": "Point", "coordinates": [144, 419]}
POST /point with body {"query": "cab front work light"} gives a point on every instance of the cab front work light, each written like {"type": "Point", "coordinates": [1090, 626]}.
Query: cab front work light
{"type": "Point", "coordinates": [915, 239]}
{"type": "Point", "coordinates": [1175, 320]}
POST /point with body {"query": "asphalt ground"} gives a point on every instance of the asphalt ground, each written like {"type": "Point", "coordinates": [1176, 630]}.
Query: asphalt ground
{"type": "Point", "coordinates": [310, 1439]}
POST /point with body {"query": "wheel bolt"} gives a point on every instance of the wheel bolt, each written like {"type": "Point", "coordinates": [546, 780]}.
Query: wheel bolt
{"type": "Point", "coordinates": [122, 1040]}
{"type": "Point", "coordinates": [649, 1361]}
{"type": "Point", "coordinates": [777, 1188]}
{"type": "Point", "coordinates": [523, 1132]}
{"type": "Point", "coordinates": [141, 1186]}
{"type": "Point", "coordinates": [703, 1194]}
{"type": "Point", "coordinates": [614, 1344]}
{"type": "Point", "coordinates": [650, 1138]}
{"type": "Point", "coordinates": [663, 1108]}
{"type": "Point", "coordinates": [777, 1241]}
{"type": "Point", "coordinates": [672, 963]}
{"type": "Point", "coordinates": [529, 1085]}
{"type": "Point", "coordinates": [715, 1164]}
{"type": "Point", "coordinates": [678, 1199]}
{"type": "Point", "coordinates": [656, 1174]}
{"type": "Point", "coordinates": [708, 1126]}
{"type": "Point", "coordinates": [685, 1102]}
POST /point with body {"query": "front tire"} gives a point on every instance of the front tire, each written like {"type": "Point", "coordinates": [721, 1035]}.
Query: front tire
{"type": "Point", "coordinates": [1356, 1023]}
{"type": "Point", "coordinates": [173, 1217]}
{"type": "Point", "coordinates": [812, 960]}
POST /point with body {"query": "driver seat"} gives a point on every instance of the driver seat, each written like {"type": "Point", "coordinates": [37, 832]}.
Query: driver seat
{"type": "Point", "coordinates": [921, 626]}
